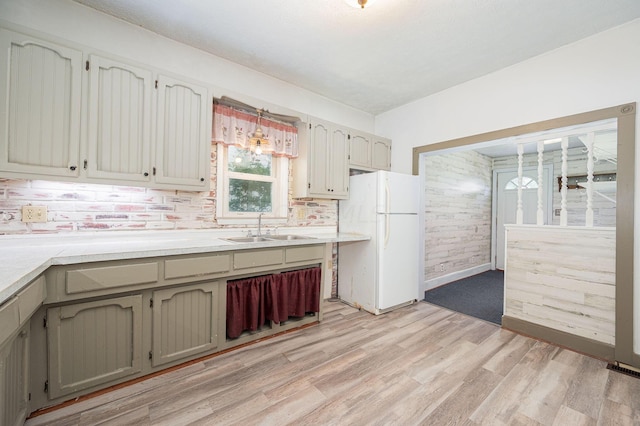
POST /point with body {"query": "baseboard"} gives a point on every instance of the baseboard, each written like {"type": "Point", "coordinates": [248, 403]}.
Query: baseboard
{"type": "Point", "coordinates": [560, 338]}
{"type": "Point", "coordinates": [454, 276]}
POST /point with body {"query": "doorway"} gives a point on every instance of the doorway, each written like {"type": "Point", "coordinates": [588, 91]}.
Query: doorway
{"type": "Point", "coordinates": [627, 325]}
{"type": "Point", "coordinates": [505, 203]}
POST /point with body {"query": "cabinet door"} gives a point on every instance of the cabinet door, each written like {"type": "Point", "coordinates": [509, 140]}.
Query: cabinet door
{"type": "Point", "coordinates": [318, 158]}
{"type": "Point", "coordinates": [338, 164]}
{"type": "Point", "coordinates": [40, 104]}
{"type": "Point", "coordinates": [14, 379]}
{"type": "Point", "coordinates": [93, 343]}
{"type": "Point", "coordinates": [119, 121]}
{"type": "Point", "coordinates": [184, 322]}
{"type": "Point", "coordinates": [183, 134]}
{"type": "Point", "coordinates": [359, 150]}
{"type": "Point", "coordinates": [381, 154]}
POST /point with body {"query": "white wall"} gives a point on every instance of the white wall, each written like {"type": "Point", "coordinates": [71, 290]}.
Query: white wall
{"type": "Point", "coordinates": [597, 72]}
{"type": "Point", "coordinates": [80, 24]}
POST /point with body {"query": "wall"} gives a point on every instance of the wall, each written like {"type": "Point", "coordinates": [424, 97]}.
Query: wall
{"type": "Point", "coordinates": [457, 216]}
{"type": "Point", "coordinates": [597, 72]}
{"type": "Point", "coordinates": [549, 284]}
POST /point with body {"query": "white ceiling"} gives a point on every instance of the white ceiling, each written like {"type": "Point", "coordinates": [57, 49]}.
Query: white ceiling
{"type": "Point", "coordinates": [391, 53]}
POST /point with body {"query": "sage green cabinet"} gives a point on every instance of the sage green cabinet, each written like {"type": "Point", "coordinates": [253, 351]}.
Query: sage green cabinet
{"type": "Point", "coordinates": [369, 152]}
{"type": "Point", "coordinates": [40, 93]}
{"type": "Point", "coordinates": [321, 169]}
{"type": "Point", "coordinates": [14, 377]}
{"type": "Point", "coordinates": [93, 343]}
{"type": "Point", "coordinates": [185, 321]}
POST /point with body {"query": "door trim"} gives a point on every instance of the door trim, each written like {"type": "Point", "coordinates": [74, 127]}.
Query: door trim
{"type": "Point", "coordinates": [625, 227]}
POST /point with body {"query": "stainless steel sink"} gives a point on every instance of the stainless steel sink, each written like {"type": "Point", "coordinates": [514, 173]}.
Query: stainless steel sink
{"type": "Point", "coordinates": [246, 239]}
{"type": "Point", "coordinates": [289, 237]}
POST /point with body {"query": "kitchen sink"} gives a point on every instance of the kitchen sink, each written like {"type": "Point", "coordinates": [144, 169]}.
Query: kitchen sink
{"type": "Point", "coordinates": [246, 239]}
{"type": "Point", "coordinates": [267, 238]}
{"type": "Point", "coordinates": [289, 237]}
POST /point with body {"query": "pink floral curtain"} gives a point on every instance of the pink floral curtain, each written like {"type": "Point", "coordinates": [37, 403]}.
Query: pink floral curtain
{"type": "Point", "coordinates": [233, 127]}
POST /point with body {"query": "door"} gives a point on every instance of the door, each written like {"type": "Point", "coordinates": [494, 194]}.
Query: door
{"type": "Point", "coordinates": [397, 245]}
{"type": "Point", "coordinates": [184, 321]}
{"type": "Point", "coordinates": [397, 193]}
{"type": "Point", "coordinates": [183, 134]}
{"type": "Point", "coordinates": [93, 343]}
{"type": "Point", "coordinates": [359, 150]}
{"type": "Point", "coordinates": [39, 106]}
{"type": "Point", "coordinates": [119, 121]}
{"type": "Point", "coordinates": [506, 192]}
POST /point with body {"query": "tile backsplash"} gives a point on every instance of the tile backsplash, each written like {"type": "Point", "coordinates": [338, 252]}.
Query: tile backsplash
{"type": "Point", "coordinates": [77, 207]}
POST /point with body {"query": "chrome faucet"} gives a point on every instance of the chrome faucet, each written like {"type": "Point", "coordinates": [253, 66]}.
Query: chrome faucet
{"type": "Point", "coordinates": [260, 224]}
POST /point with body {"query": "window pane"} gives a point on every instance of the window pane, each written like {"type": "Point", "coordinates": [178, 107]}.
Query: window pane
{"type": "Point", "coordinates": [245, 161]}
{"type": "Point", "coordinates": [249, 196]}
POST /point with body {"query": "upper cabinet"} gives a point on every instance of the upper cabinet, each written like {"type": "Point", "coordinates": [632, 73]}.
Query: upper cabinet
{"type": "Point", "coordinates": [183, 134]}
{"type": "Point", "coordinates": [40, 106]}
{"type": "Point", "coordinates": [321, 169]}
{"type": "Point", "coordinates": [369, 152]}
{"type": "Point", "coordinates": [132, 125]}
{"type": "Point", "coordinates": [119, 121]}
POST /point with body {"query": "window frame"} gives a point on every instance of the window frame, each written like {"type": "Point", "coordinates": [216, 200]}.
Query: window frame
{"type": "Point", "coordinates": [280, 191]}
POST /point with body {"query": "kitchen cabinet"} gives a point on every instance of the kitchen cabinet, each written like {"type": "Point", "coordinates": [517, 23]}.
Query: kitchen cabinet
{"type": "Point", "coordinates": [381, 154]}
{"type": "Point", "coordinates": [369, 152]}
{"type": "Point", "coordinates": [93, 343]}
{"type": "Point", "coordinates": [14, 363]}
{"type": "Point", "coordinates": [183, 134]}
{"type": "Point", "coordinates": [321, 169]}
{"type": "Point", "coordinates": [143, 127]}
{"type": "Point", "coordinates": [185, 321]}
{"type": "Point", "coordinates": [41, 98]}
{"type": "Point", "coordinates": [119, 121]}
{"type": "Point", "coordinates": [15, 338]}
{"type": "Point", "coordinates": [360, 150]}
{"type": "Point", "coordinates": [107, 322]}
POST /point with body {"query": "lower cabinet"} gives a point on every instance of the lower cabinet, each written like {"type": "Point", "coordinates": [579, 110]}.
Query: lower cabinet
{"type": "Point", "coordinates": [14, 377]}
{"type": "Point", "coordinates": [93, 343]}
{"type": "Point", "coordinates": [185, 322]}
{"type": "Point", "coordinates": [266, 303]}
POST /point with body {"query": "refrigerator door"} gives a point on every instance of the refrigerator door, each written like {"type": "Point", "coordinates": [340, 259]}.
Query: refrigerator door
{"type": "Point", "coordinates": [397, 248]}
{"type": "Point", "coordinates": [396, 193]}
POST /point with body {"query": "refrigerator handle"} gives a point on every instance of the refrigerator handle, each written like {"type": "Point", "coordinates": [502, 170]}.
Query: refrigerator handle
{"type": "Point", "coordinates": [387, 197]}
{"type": "Point", "coordinates": [387, 225]}
{"type": "Point", "coordinates": [386, 216]}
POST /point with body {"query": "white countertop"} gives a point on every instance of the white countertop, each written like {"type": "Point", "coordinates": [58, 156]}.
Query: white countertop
{"type": "Point", "coordinates": [24, 257]}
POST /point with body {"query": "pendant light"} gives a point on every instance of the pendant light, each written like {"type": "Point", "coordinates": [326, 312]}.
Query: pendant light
{"type": "Point", "coordinates": [360, 4]}
{"type": "Point", "coordinates": [258, 140]}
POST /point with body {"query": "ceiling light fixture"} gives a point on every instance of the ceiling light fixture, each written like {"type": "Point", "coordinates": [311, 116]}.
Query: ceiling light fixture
{"type": "Point", "coordinates": [360, 4]}
{"type": "Point", "coordinates": [258, 140]}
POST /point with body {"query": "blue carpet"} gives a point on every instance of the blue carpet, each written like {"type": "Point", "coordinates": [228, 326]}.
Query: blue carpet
{"type": "Point", "coordinates": [480, 296]}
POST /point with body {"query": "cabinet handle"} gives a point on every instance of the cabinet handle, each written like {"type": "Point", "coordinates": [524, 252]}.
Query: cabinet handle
{"type": "Point", "coordinates": [146, 174]}
{"type": "Point", "coordinates": [201, 179]}
{"type": "Point", "coordinates": [73, 168]}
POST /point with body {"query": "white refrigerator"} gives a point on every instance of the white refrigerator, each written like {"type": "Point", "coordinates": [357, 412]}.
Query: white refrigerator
{"type": "Point", "coordinates": [380, 274]}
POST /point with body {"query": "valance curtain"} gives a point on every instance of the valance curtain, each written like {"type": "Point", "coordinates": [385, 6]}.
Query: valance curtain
{"type": "Point", "coordinates": [233, 127]}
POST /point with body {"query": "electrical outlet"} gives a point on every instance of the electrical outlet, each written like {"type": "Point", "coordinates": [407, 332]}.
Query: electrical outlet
{"type": "Point", "coordinates": [301, 214]}
{"type": "Point", "coordinates": [34, 213]}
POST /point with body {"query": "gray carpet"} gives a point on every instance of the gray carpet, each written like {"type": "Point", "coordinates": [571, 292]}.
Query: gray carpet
{"type": "Point", "coordinates": [480, 296]}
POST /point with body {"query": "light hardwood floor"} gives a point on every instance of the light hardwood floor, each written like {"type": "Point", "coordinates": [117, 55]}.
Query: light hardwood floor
{"type": "Point", "coordinates": [418, 365]}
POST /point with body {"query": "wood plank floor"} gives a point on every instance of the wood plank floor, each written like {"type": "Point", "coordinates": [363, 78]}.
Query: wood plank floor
{"type": "Point", "coordinates": [418, 365]}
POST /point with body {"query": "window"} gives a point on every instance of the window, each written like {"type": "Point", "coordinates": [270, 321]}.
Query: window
{"type": "Point", "coordinates": [249, 184]}
{"type": "Point", "coordinates": [527, 183]}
